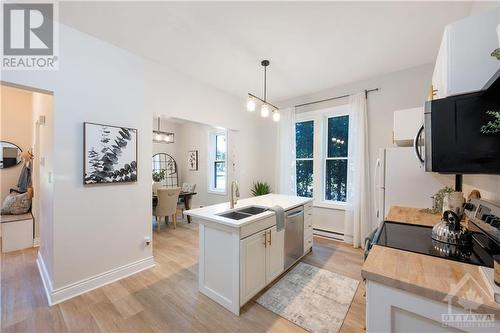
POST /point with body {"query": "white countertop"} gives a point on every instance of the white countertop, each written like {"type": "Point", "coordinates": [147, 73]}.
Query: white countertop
{"type": "Point", "coordinates": [210, 213]}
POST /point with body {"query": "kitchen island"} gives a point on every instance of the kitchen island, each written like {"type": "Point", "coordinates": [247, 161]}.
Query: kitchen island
{"type": "Point", "coordinates": [241, 250]}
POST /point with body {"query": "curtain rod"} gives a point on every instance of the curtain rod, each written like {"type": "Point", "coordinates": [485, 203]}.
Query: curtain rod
{"type": "Point", "coordinates": [337, 97]}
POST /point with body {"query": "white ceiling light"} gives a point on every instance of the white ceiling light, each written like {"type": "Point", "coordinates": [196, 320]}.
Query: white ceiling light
{"type": "Point", "coordinates": [266, 107]}
{"type": "Point", "coordinates": [251, 104]}
{"type": "Point", "coordinates": [162, 136]}
{"type": "Point", "coordinates": [276, 115]}
{"type": "Point", "coordinates": [264, 111]}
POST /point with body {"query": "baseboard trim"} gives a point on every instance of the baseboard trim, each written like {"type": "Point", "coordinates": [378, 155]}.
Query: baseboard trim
{"type": "Point", "coordinates": [44, 275]}
{"type": "Point", "coordinates": [62, 294]}
{"type": "Point", "coordinates": [36, 242]}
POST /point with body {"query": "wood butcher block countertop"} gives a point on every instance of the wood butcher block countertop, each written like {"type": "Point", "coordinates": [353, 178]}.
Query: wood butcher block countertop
{"type": "Point", "coordinates": [412, 216]}
{"type": "Point", "coordinates": [424, 275]}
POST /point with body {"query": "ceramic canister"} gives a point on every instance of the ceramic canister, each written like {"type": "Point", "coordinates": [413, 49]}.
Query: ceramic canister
{"type": "Point", "coordinates": [454, 201]}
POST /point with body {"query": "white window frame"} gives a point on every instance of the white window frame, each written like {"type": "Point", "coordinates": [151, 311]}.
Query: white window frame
{"type": "Point", "coordinates": [212, 135]}
{"type": "Point", "coordinates": [337, 113]}
{"type": "Point", "coordinates": [320, 151]}
{"type": "Point", "coordinates": [306, 119]}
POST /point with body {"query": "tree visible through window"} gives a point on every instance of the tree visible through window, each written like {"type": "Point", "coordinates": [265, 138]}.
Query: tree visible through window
{"type": "Point", "coordinates": [304, 142]}
{"type": "Point", "coordinates": [336, 158]}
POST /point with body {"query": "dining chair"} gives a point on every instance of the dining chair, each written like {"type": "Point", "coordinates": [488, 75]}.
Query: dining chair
{"type": "Point", "coordinates": [186, 187]}
{"type": "Point", "coordinates": [167, 205]}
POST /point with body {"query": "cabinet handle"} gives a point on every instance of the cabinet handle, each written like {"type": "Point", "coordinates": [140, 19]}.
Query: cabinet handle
{"type": "Point", "coordinates": [265, 239]}
{"type": "Point", "coordinates": [270, 238]}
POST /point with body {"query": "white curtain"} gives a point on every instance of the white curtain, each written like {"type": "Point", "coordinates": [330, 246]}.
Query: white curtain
{"type": "Point", "coordinates": [357, 214]}
{"type": "Point", "coordinates": [285, 173]}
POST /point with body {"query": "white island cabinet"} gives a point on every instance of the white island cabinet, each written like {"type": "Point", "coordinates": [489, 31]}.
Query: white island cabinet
{"type": "Point", "coordinates": [240, 257]}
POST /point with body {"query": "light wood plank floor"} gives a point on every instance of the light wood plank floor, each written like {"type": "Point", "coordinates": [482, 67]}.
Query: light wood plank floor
{"type": "Point", "coordinates": [162, 299]}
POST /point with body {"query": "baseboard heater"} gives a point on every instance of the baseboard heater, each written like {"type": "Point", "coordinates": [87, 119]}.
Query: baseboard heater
{"type": "Point", "coordinates": [328, 234]}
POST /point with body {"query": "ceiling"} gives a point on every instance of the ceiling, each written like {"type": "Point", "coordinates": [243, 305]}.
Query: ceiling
{"type": "Point", "coordinates": [312, 46]}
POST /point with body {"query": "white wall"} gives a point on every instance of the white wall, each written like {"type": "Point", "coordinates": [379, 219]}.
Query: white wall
{"type": "Point", "coordinates": [194, 136]}
{"type": "Point", "coordinates": [101, 228]}
{"type": "Point", "coordinates": [479, 6]}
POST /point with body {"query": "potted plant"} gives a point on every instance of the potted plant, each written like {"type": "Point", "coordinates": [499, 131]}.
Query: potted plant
{"type": "Point", "coordinates": [158, 176]}
{"type": "Point", "coordinates": [260, 188]}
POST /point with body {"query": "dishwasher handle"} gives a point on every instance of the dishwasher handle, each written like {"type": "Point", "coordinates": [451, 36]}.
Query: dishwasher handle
{"type": "Point", "coordinates": [296, 213]}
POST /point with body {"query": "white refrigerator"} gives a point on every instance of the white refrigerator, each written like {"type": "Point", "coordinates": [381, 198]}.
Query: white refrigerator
{"type": "Point", "coordinates": [400, 180]}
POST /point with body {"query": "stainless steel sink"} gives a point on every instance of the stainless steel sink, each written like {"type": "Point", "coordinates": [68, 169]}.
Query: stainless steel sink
{"type": "Point", "coordinates": [244, 212]}
{"type": "Point", "coordinates": [252, 210]}
{"type": "Point", "coordinates": [234, 215]}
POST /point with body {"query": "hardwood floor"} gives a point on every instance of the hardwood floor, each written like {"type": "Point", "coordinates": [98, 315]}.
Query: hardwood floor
{"type": "Point", "coordinates": [162, 299]}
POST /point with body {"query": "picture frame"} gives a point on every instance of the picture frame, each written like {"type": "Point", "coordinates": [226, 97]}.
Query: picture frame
{"type": "Point", "coordinates": [110, 154]}
{"type": "Point", "coordinates": [193, 160]}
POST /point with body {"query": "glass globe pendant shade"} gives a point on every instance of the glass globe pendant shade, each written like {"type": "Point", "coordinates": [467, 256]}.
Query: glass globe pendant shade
{"type": "Point", "coordinates": [264, 111]}
{"type": "Point", "coordinates": [251, 104]}
{"type": "Point", "coordinates": [276, 116]}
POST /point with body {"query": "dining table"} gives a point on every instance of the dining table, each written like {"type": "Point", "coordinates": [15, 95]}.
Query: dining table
{"type": "Point", "coordinates": [186, 198]}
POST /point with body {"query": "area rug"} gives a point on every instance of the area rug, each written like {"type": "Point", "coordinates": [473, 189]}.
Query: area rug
{"type": "Point", "coordinates": [315, 299]}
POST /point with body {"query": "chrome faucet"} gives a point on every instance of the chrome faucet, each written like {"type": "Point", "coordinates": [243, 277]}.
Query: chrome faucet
{"type": "Point", "coordinates": [235, 193]}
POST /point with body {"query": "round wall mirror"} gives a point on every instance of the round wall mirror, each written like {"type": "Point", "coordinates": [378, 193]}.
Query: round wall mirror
{"type": "Point", "coordinates": [10, 155]}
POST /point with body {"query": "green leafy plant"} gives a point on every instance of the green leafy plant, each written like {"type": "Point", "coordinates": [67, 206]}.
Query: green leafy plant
{"type": "Point", "coordinates": [438, 200]}
{"type": "Point", "coordinates": [260, 188]}
{"type": "Point", "coordinates": [158, 176]}
{"type": "Point", "coordinates": [492, 126]}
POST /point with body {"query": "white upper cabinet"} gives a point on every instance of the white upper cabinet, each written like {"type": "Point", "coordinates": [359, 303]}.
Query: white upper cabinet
{"type": "Point", "coordinates": [406, 125]}
{"type": "Point", "coordinates": [464, 62]}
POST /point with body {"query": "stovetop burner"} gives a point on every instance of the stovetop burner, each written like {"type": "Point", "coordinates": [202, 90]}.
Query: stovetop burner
{"type": "Point", "coordinates": [417, 238]}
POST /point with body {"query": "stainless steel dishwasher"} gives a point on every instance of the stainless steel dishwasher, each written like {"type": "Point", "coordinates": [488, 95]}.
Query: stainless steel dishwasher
{"type": "Point", "coordinates": [294, 235]}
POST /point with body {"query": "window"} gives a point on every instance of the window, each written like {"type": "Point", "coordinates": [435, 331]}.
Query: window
{"type": "Point", "coordinates": [336, 158]}
{"type": "Point", "coordinates": [217, 163]}
{"type": "Point", "coordinates": [322, 155]}
{"type": "Point", "coordinates": [304, 142]}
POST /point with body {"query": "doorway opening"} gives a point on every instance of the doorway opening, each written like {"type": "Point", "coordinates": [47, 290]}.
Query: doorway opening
{"type": "Point", "coordinates": [25, 166]}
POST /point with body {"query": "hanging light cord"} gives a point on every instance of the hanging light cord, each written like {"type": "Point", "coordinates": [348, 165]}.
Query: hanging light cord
{"type": "Point", "coordinates": [265, 83]}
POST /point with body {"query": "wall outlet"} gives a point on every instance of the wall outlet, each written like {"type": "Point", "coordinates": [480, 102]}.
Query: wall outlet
{"type": "Point", "coordinates": [147, 240]}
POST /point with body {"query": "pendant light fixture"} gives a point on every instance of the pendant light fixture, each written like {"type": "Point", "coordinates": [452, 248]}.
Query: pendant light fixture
{"type": "Point", "coordinates": [266, 108]}
{"type": "Point", "coordinates": [160, 136]}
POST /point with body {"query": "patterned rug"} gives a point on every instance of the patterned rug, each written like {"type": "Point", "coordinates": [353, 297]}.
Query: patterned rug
{"type": "Point", "coordinates": [315, 299]}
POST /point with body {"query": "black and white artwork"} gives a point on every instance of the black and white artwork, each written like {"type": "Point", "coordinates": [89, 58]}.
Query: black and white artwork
{"type": "Point", "coordinates": [110, 154]}
{"type": "Point", "coordinates": [193, 160]}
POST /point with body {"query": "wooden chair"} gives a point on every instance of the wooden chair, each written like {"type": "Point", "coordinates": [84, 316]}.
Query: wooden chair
{"type": "Point", "coordinates": [167, 205]}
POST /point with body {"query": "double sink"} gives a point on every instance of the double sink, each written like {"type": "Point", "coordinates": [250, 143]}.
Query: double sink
{"type": "Point", "coordinates": [243, 212]}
